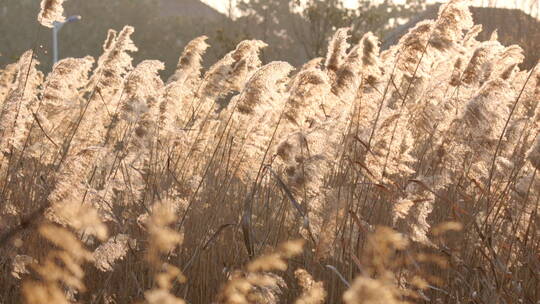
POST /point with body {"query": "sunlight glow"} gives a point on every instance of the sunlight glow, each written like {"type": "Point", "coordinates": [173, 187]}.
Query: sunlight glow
{"type": "Point", "coordinates": [222, 5]}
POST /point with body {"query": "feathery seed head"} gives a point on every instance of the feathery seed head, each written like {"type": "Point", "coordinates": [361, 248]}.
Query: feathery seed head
{"type": "Point", "coordinates": [370, 49]}
{"type": "Point", "coordinates": [481, 59]}
{"type": "Point", "coordinates": [263, 86]}
{"type": "Point", "coordinates": [109, 41]}
{"type": "Point", "coordinates": [456, 73]}
{"type": "Point", "coordinates": [412, 46]}
{"type": "Point", "coordinates": [7, 79]}
{"type": "Point", "coordinates": [61, 89]}
{"type": "Point", "coordinates": [114, 63]}
{"type": "Point", "coordinates": [190, 63]}
{"type": "Point", "coordinates": [51, 11]}
{"type": "Point", "coordinates": [337, 49]}
{"type": "Point", "coordinates": [454, 18]}
{"type": "Point", "coordinates": [471, 34]}
{"type": "Point", "coordinates": [308, 91]}
{"type": "Point", "coordinates": [534, 153]}
{"type": "Point", "coordinates": [312, 292]}
{"type": "Point", "coordinates": [193, 51]}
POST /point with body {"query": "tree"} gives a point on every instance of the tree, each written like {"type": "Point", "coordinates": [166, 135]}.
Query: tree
{"type": "Point", "coordinates": [322, 19]}
{"type": "Point", "coordinates": [306, 26]}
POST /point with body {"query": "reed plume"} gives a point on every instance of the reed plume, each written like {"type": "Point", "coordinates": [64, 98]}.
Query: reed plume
{"type": "Point", "coordinates": [51, 11]}
{"type": "Point", "coordinates": [337, 49]}
{"type": "Point", "coordinates": [20, 102]}
{"type": "Point", "coordinates": [61, 267]}
{"type": "Point", "coordinates": [534, 154]}
{"type": "Point", "coordinates": [114, 64]}
{"type": "Point", "coordinates": [189, 64]}
{"type": "Point", "coordinates": [118, 186]}
{"type": "Point", "coordinates": [163, 239]}
{"type": "Point", "coordinates": [312, 291]}
{"type": "Point", "coordinates": [454, 18]}
{"type": "Point", "coordinates": [7, 78]}
{"type": "Point", "coordinates": [412, 46]}
{"type": "Point", "coordinates": [362, 62]}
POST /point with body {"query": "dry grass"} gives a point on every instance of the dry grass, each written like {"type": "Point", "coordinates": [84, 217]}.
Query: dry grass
{"type": "Point", "coordinates": [406, 176]}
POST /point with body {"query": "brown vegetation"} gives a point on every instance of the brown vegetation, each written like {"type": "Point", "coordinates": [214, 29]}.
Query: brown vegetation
{"type": "Point", "coordinates": [405, 176]}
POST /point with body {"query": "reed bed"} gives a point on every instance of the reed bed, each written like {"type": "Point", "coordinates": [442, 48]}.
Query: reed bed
{"type": "Point", "coordinates": [402, 176]}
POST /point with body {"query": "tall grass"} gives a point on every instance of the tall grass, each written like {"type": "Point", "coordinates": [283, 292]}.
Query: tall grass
{"type": "Point", "coordinates": [402, 176]}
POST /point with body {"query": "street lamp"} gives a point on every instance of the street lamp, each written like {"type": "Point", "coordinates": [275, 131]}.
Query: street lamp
{"type": "Point", "coordinates": [56, 29]}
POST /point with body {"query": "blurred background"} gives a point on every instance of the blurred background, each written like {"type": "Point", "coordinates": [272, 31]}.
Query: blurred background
{"type": "Point", "coordinates": [296, 30]}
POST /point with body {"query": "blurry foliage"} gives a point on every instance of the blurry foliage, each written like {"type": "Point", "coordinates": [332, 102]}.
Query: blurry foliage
{"type": "Point", "coordinates": [308, 25]}
{"type": "Point", "coordinates": [293, 34]}
{"type": "Point", "coordinates": [157, 37]}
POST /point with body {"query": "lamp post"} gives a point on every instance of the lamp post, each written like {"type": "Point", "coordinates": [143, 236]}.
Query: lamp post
{"type": "Point", "coordinates": [57, 26]}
